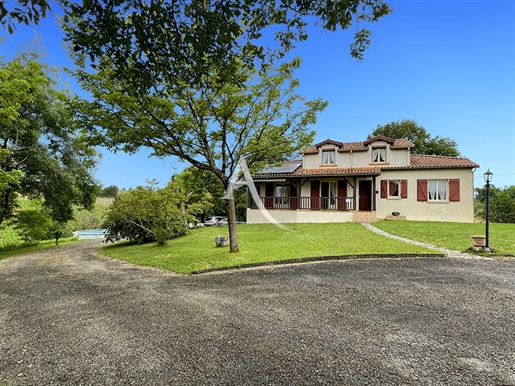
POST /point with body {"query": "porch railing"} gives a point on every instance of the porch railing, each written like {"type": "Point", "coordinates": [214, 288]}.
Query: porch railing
{"type": "Point", "coordinates": [312, 203]}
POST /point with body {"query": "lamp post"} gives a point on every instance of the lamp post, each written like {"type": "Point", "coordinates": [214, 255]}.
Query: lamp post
{"type": "Point", "coordinates": [488, 177]}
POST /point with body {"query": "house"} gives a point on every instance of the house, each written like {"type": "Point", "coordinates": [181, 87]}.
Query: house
{"type": "Point", "coordinates": [363, 182]}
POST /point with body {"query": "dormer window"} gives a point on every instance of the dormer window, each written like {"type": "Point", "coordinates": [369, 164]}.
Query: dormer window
{"type": "Point", "coordinates": [328, 157]}
{"type": "Point", "coordinates": [379, 154]}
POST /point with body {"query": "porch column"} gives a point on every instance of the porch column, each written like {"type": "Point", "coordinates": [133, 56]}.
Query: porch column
{"type": "Point", "coordinates": [374, 194]}
{"type": "Point", "coordinates": [299, 199]}
{"type": "Point", "coordinates": [354, 193]}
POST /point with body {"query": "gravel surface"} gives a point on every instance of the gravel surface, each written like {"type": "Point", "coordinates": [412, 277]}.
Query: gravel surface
{"type": "Point", "coordinates": [70, 317]}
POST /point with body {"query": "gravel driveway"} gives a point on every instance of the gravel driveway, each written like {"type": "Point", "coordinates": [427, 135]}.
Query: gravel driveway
{"type": "Point", "coordinates": [69, 317]}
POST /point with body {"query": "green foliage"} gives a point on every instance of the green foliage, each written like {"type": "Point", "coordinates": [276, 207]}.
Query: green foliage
{"type": "Point", "coordinates": [22, 11]}
{"type": "Point", "coordinates": [417, 134]}
{"type": "Point", "coordinates": [502, 204]}
{"type": "Point", "coordinates": [145, 214]}
{"type": "Point", "coordinates": [43, 157]}
{"type": "Point", "coordinates": [32, 225]}
{"type": "Point", "coordinates": [110, 191]}
{"type": "Point", "coordinates": [203, 192]}
{"type": "Point", "coordinates": [210, 125]}
{"type": "Point", "coordinates": [187, 40]}
{"type": "Point", "coordinates": [86, 219]}
{"type": "Point", "coordinates": [260, 243]}
{"type": "Point", "coordinates": [35, 225]}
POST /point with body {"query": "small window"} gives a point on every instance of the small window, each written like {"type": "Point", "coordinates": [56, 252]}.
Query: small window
{"type": "Point", "coordinates": [393, 188]}
{"type": "Point", "coordinates": [379, 154]}
{"type": "Point", "coordinates": [328, 157]}
{"type": "Point", "coordinates": [437, 190]}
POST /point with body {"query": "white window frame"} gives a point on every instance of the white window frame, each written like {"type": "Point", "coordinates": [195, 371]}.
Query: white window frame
{"type": "Point", "coordinates": [398, 183]}
{"type": "Point", "coordinates": [329, 157]}
{"type": "Point", "coordinates": [438, 190]}
{"type": "Point", "coordinates": [376, 155]}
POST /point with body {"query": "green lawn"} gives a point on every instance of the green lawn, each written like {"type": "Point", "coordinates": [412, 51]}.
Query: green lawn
{"type": "Point", "coordinates": [40, 245]}
{"type": "Point", "coordinates": [453, 235]}
{"type": "Point", "coordinates": [259, 243]}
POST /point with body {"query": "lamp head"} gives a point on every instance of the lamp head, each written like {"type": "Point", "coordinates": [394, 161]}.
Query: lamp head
{"type": "Point", "coordinates": [488, 176]}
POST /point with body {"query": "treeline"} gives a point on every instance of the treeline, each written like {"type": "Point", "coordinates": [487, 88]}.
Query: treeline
{"type": "Point", "coordinates": [501, 203]}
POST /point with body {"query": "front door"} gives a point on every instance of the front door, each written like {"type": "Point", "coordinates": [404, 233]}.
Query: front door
{"type": "Point", "coordinates": [365, 195]}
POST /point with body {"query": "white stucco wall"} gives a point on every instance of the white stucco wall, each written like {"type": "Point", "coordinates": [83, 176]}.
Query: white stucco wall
{"type": "Point", "coordinates": [255, 216]}
{"type": "Point", "coordinates": [394, 157]}
{"type": "Point", "coordinates": [462, 211]}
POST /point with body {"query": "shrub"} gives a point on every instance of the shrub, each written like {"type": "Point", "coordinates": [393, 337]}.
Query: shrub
{"type": "Point", "coordinates": [145, 214]}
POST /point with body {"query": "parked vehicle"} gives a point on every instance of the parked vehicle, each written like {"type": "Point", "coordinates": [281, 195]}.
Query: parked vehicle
{"type": "Point", "coordinates": [216, 220]}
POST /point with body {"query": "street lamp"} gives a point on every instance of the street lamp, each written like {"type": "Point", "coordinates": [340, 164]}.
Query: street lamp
{"type": "Point", "coordinates": [488, 177]}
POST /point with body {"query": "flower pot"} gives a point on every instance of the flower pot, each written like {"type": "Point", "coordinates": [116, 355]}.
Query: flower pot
{"type": "Point", "coordinates": [479, 241]}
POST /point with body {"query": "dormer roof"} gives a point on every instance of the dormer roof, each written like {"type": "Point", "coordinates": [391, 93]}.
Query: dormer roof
{"type": "Point", "coordinates": [329, 142]}
{"type": "Point", "coordinates": [379, 138]}
{"type": "Point", "coordinates": [399, 143]}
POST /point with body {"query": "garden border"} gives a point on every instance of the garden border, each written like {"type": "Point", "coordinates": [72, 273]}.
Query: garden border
{"type": "Point", "coordinates": [319, 258]}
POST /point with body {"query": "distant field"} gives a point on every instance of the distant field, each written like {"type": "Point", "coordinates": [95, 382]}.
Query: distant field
{"type": "Point", "coordinates": [104, 201]}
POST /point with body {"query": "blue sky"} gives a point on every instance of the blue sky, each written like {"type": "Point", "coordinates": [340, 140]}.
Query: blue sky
{"type": "Point", "coordinates": [449, 65]}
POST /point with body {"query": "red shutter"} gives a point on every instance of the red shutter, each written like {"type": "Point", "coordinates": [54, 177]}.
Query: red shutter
{"type": "Point", "coordinates": [342, 194]}
{"type": "Point", "coordinates": [315, 194]}
{"type": "Point", "coordinates": [404, 188]}
{"type": "Point", "coordinates": [421, 190]}
{"type": "Point", "coordinates": [384, 188]}
{"type": "Point", "coordinates": [454, 190]}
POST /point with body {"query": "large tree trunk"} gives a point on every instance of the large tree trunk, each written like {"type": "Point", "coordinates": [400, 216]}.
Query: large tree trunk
{"type": "Point", "coordinates": [4, 204]}
{"type": "Point", "coordinates": [231, 218]}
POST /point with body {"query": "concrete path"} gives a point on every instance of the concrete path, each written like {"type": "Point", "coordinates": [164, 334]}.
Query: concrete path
{"type": "Point", "coordinates": [448, 252]}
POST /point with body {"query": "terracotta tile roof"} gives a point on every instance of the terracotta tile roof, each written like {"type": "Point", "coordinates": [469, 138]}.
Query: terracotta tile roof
{"type": "Point", "coordinates": [379, 138]}
{"type": "Point", "coordinates": [400, 143]}
{"type": "Point", "coordinates": [310, 150]}
{"type": "Point", "coordinates": [328, 141]}
{"type": "Point", "coordinates": [437, 161]}
{"type": "Point", "coordinates": [354, 146]}
{"type": "Point", "coordinates": [421, 161]}
{"type": "Point", "coordinates": [359, 171]}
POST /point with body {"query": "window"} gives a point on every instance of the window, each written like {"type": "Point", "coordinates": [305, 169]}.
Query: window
{"type": "Point", "coordinates": [379, 154]}
{"type": "Point", "coordinates": [394, 188]}
{"type": "Point", "coordinates": [437, 190]}
{"type": "Point", "coordinates": [282, 194]}
{"type": "Point", "coordinates": [328, 157]}
{"type": "Point", "coordinates": [328, 195]}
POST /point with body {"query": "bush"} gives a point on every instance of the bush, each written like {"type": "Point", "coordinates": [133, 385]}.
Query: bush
{"type": "Point", "coordinates": [145, 215]}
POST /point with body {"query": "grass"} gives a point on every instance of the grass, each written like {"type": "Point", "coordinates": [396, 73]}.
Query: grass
{"type": "Point", "coordinates": [259, 243]}
{"type": "Point", "coordinates": [33, 248]}
{"type": "Point", "coordinates": [104, 201]}
{"type": "Point", "coordinates": [453, 235]}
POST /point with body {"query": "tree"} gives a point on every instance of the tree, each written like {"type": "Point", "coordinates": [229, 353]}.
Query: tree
{"type": "Point", "coordinates": [204, 192]}
{"type": "Point", "coordinates": [145, 214]}
{"type": "Point", "coordinates": [211, 125]}
{"type": "Point", "coordinates": [413, 132]}
{"type": "Point", "coordinates": [41, 155]}
{"type": "Point", "coordinates": [502, 204]}
{"type": "Point", "coordinates": [188, 39]}
{"type": "Point", "coordinates": [25, 11]}
{"type": "Point", "coordinates": [110, 191]}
